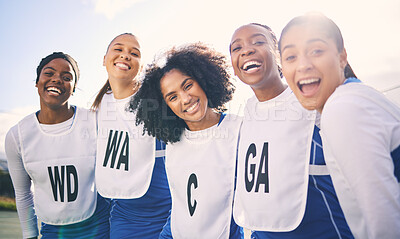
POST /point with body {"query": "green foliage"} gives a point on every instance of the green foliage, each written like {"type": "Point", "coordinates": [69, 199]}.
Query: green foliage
{"type": "Point", "coordinates": [6, 205]}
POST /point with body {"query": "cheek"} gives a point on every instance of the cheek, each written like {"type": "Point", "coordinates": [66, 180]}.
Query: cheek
{"type": "Point", "coordinates": [234, 64]}
{"type": "Point", "coordinates": [287, 73]}
{"type": "Point", "coordinates": [174, 107]}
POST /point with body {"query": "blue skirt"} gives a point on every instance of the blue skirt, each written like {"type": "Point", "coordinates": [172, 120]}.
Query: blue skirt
{"type": "Point", "coordinates": [97, 226]}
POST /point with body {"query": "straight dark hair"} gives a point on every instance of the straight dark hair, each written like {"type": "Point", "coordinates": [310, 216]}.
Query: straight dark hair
{"type": "Point", "coordinates": [325, 24]}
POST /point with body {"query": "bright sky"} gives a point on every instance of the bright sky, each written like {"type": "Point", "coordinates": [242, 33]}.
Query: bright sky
{"type": "Point", "coordinates": [30, 30]}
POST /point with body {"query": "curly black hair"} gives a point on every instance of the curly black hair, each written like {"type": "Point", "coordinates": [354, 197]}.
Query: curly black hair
{"type": "Point", "coordinates": [203, 64]}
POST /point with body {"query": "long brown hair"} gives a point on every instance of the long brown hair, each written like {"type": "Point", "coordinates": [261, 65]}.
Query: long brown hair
{"type": "Point", "coordinates": [106, 87]}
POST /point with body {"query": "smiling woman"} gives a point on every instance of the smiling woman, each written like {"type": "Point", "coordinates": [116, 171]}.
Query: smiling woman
{"type": "Point", "coordinates": [182, 103]}
{"type": "Point", "coordinates": [36, 152]}
{"type": "Point", "coordinates": [133, 174]}
{"type": "Point", "coordinates": [272, 199]}
{"type": "Point", "coordinates": [360, 127]}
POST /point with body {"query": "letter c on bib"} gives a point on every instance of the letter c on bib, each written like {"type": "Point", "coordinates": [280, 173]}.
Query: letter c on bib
{"type": "Point", "coordinates": [192, 180]}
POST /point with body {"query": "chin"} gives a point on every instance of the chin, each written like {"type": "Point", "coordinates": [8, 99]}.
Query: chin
{"type": "Point", "coordinates": [309, 104]}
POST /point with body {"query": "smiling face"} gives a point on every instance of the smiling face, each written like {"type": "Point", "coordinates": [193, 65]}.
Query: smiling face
{"type": "Point", "coordinates": [312, 64]}
{"type": "Point", "coordinates": [185, 97]}
{"type": "Point", "coordinates": [123, 58]}
{"type": "Point", "coordinates": [253, 56]}
{"type": "Point", "coordinates": [56, 83]}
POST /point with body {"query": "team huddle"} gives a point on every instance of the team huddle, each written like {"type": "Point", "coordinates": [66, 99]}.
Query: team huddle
{"type": "Point", "coordinates": [315, 155]}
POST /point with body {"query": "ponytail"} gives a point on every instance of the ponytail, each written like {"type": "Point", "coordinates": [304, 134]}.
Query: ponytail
{"type": "Point", "coordinates": [348, 72]}
{"type": "Point", "coordinates": [100, 95]}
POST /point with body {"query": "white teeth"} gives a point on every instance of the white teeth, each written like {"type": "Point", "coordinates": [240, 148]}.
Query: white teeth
{"type": "Point", "coordinates": [54, 89]}
{"type": "Point", "coordinates": [122, 65]}
{"type": "Point", "coordinates": [251, 63]}
{"type": "Point", "coordinates": [192, 107]}
{"type": "Point", "coordinates": [308, 81]}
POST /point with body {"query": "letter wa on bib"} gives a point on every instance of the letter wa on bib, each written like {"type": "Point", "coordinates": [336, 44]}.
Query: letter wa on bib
{"type": "Point", "coordinates": [125, 158]}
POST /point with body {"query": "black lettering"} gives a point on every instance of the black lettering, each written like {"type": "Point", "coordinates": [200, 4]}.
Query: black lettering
{"type": "Point", "coordinates": [71, 171]}
{"type": "Point", "coordinates": [124, 155]}
{"type": "Point", "coordinates": [262, 177]}
{"type": "Point", "coordinates": [249, 184]}
{"type": "Point", "coordinates": [112, 147]}
{"type": "Point", "coordinates": [57, 182]}
{"type": "Point", "coordinates": [192, 181]}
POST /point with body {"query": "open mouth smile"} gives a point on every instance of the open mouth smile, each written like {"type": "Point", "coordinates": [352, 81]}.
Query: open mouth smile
{"type": "Point", "coordinates": [309, 86]}
{"type": "Point", "coordinates": [53, 90]}
{"type": "Point", "coordinates": [122, 66]}
{"type": "Point", "coordinates": [192, 107]}
{"type": "Point", "coordinates": [251, 66]}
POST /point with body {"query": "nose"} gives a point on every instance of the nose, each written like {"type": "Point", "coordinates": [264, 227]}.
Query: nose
{"type": "Point", "coordinates": [186, 98]}
{"type": "Point", "coordinates": [247, 50]}
{"type": "Point", "coordinates": [304, 64]}
{"type": "Point", "coordinates": [125, 56]}
{"type": "Point", "coordinates": [56, 78]}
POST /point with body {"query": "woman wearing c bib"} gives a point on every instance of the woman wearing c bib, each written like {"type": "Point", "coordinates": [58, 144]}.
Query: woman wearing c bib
{"type": "Point", "coordinates": [182, 103]}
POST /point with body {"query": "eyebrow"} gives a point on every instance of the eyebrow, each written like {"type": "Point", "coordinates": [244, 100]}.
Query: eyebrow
{"type": "Point", "coordinates": [252, 36]}
{"type": "Point", "coordinates": [308, 42]}
{"type": "Point", "coordinates": [173, 92]}
{"type": "Point", "coordinates": [49, 67]}
{"type": "Point", "coordinates": [120, 44]}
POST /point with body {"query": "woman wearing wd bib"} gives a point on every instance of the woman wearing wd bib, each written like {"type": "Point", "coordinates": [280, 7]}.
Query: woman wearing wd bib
{"type": "Point", "coordinates": [181, 103]}
{"type": "Point", "coordinates": [64, 195]}
{"type": "Point", "coordinates": [129, 166]}
{"type": "Point", "coordinates": [360, 127]}
{"type": "Point", "coordinates": [283, 186]}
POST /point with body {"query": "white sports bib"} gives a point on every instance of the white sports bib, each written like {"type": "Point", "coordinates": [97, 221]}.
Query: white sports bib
{"type": "Point", "coordinates": [273, 164]}
{"type": "Point", "coordinates": [201, 173]}
{"type": "Point", "coordinates": [125, 158]}
{"type": "Point", "coordinates": [61, 167]}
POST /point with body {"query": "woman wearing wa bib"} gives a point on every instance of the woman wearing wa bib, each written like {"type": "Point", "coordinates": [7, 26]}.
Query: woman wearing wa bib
{"type": "Point", "coordinates": [64, 196]}
{"type": "Point", "coordinates": [360, 127]}
{"type": "Point", "coordinates": [283, 187]}
{"type": "Point", "coordinates": [129, 166]}
{"type": "Point", "coordinates": [181, 102]}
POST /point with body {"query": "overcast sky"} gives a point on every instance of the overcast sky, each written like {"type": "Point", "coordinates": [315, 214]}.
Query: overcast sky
{"type": "Point", "coordinates": [30, 30]}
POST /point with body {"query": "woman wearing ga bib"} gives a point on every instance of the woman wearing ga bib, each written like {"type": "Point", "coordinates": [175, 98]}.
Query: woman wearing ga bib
{"type": "Point", "coordinates": [283, 186]}
{"type": "Point", "coordinates": [129, 166]}
{"type": "Point", "coordinates": [360, 127]}
{"type": "Point", "coordinates": [181, 103]}
{"type": "Point", "coordinates": [55, 149]}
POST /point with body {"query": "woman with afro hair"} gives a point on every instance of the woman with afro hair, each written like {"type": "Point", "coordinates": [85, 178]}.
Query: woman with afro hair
{"type": "Point", "coordinates": [182, 102]}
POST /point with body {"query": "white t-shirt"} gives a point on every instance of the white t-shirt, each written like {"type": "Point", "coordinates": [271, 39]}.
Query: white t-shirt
{"type": "Point", "coordinates": [359, 130]}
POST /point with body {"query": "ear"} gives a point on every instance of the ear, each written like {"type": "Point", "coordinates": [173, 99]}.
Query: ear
{"type": "Point", "coordinates": [343, 58]}
{"type": "Point", "coordinates": [104, 61]}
